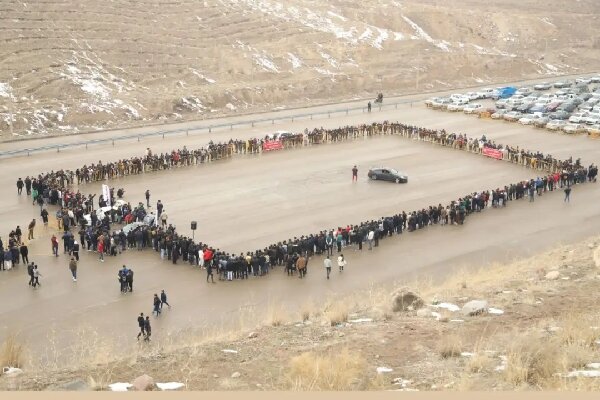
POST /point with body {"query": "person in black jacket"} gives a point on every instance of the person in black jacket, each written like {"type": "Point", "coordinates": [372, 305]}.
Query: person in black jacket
{"type": "Point", "coordinates": [148, 329]}
{"type": "Point", "coordinates": [142, 326]}
{"type": "Point", "coordinates": [30, 273]}
{"type": "Point", "coordinates": [157, 303]}
{"type": "Point", "coordinates": [163, 299]}
{"type": "Point", "coordinates": [129, 280]}
{"type": "Point", "coordinates": [20, 186]}
{"type": "Point", "coordinates": [75, 250]}
{"type": "Point", "coordinates": [24, 253]}
{"type": "Point", "coordinates": [28, 186]}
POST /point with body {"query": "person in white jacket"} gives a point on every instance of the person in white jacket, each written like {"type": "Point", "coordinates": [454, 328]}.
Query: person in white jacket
{"type": "Point", "coordinates": [327, 263]}
{"type": "Point", "coordinates": [341, 262]}
{"type": "Point", "coordinates": [201, 258]}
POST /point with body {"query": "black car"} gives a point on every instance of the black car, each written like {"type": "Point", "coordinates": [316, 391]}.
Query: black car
{"type": "Point", "coordinates": [387, 174]}
{"type": "Point", "coordinates": [561, 115]}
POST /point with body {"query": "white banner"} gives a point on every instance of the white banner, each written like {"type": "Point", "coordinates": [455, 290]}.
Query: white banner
{"type": "Point", "coordinates": [106, 194]}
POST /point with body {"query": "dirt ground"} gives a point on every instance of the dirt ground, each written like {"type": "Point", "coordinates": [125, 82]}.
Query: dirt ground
{"type": "Point", "coordinates": [340, 345]}
{"type": "Point", "coordinates": [74, 66]}
{"type": "Point", "coordinates": [53, 320]}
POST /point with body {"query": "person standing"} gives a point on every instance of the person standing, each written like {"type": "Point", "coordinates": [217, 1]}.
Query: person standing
{"type": "Point", "coordinates": [301, 266]}
{"type": "Point", "coordinates": [19, 186]}
{"type": "Point", "coordinates": [129, 280]}
{"type": "Point", "coordinates": [44, 215]}
{"type": "Point", "coordinates": [568, 194]}
{"type": "Point", "coordinates": [369, 106]}
{"type": "Point", "coordinates": [101, 248]}
{"type": "Point", "coordinates": [54, 242]}
{"type": "Point", "coordinates": [36, 277]}
{"type": "Point", "coordinates": [30, 273]}
{"type": "Point", "coordinates": [8, 259]}
{"type": "Point", "coordinates": [75, 250]}
{"type": "Point", "coordinates": [148, 329]}
{"type": "Point", "coordinates": [327, 263]}
{"type": "Point", "coordinates": [156, 305]}
{"type": "Point", "coordinates": [341, 262]}
{"type": "Point", "coordinates": [159, 208]}
{"type": "Point", "coordinates": [73, 268]}
{"type": "Point", "coordinates": [163, 218]}
{"type": "Point", "coordinates": [141, 325]}
{"type": "Point", "coordinates": [370, 238]}
{"type": "Point", "coordinates": [163, 299]}
{"type": "Point", "coordinates": [28, 186]}
{"type": "Point", "coordinates": [209, 271]}
{"type": "Point", "coordinates": [354, 174]}
{"type": "Point", "coordinates": [147, 198]}
{"type": "Point", "coordinates": [24, 253]}
{"type": "Point", "coordinates": [31, 226]}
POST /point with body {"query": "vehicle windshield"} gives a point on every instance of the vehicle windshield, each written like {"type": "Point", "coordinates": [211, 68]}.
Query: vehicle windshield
{"type": "Point", "coordinates": [393, 171]}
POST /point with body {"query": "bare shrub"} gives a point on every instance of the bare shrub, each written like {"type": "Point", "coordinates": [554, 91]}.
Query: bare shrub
{"type": "Point", "coordinates": [12, 353]}
{"type": "Point", "coordinates": [339, 371]}
{"type": "Point", "coordinates": [533, 361]}
{"type": "Point", "coordinates": [337, 313]}
{"type": "Point", "coordinates": [450, 346]}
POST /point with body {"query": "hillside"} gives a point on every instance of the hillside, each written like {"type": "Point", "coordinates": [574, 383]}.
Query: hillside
{"type": "Point", "coordinates": [70, 66]}
{"type": "Point", "coordinates": [539, 330]}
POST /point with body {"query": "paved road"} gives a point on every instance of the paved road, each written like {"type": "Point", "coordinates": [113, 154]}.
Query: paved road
{"type": "Point", "coordinates": [250, 201]}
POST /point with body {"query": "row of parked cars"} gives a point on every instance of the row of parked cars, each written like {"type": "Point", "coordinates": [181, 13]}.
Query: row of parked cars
{"type": "Point", "coordinates": [569, 106]}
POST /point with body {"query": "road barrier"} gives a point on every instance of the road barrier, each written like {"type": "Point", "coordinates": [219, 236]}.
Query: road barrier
{"type": "Point", "coordinates": [200, 128]}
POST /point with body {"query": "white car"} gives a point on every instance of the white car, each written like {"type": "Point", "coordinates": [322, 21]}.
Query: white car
{"type": "Point", "coordinates": [574, 128]}
{"type": "Point", "coordinates": [512, 116]}
{"type": "Point", "coordinates": [429, 102]}
{"type": "Point", "coordinates": [592, 118]}
{"type": "Point", "coordinates": [583, 80]}
{"type": "Point", "coordinates": [472, 108]}
{"type": "Point", "coordinates": [100, 212]}
{"type": "Point", "coordinates": [456, 107]}
{"type": "Point", "coordinates": [485, 93]}
{"type": "Point", "coordinates": [472, 96]}
{"type": "Point", "coordinates": [578, 118]}
{"type": "Point", "coordinates": [516, 100]}
{"type": "Point", "coordinates": [543, 86]}
{"type": "Point", "coordinates": [499, 114]}
{"type": "Point", "coordinates": [528, 120]}
{"type": "Point", "coordinates": [523, 91]}
{"type": "Point", "coordinates": [556, 125]}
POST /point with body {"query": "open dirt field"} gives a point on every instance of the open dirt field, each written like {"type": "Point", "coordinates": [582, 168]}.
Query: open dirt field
{"type": "Point", "coordinates": [55, 319]}
{"type": "Point", "coordinates": [71, 66]}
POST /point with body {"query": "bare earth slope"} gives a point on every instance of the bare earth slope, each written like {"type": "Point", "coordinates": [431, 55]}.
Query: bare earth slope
{"type": "Point", "coordinates": [69, 66]}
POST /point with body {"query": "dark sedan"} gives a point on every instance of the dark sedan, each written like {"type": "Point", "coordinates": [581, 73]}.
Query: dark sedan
{"type": "Point", "coordinates": [387, 174]}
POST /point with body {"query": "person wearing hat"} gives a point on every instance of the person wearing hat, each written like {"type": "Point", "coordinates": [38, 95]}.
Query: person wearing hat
{"type": "Point", "coordinates": [75, 250]}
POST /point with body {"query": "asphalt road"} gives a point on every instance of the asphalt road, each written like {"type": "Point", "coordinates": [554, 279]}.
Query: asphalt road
{"type": "Point", "coordinates": [250, 201]}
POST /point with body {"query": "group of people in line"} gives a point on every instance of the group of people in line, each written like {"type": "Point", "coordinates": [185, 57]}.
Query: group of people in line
{"type": "Point", "coordinates": [96, 234]}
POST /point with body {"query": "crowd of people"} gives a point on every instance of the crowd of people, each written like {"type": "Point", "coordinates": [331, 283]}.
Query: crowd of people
{"type": "Point", "coordinates": [101, 235]}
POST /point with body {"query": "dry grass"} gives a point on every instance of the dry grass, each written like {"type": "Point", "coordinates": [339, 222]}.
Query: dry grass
{"type": "Point", "coordinates": [337, 313]}
{"type": "Point", "coordinates": [12, 353]}
{"type": "Point", "coordinates": [339, 371]}
{"type": "Point", "coordinates": [450, 346]}
{"type": "Point", "coordinates": [276, 315]}
{"type": "Point", "coordinates": [533, 361]}
{"type": "Point", "coordinates": [480, 363]}
{"type": "Point", "coordinates": [578, 329]}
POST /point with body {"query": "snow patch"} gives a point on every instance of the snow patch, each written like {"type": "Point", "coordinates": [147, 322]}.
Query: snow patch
{"type": "Point", "coordinates": [170, 385]}
{"type": "Point", "coordinates": [295, 61]}
{"type": "Point", "coordinates": [201, 76]}
{"type": "Point", "coordinates": [119, 386]}
{"type": "Point", "coordinates": [421, 34]}
{"type": "Point", "coordinates": [5, 90]}
{"type": "Point", "coordinates": [547, 21]}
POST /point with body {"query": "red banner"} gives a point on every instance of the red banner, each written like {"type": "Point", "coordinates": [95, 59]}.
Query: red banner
{"type": "Point", "coordinates": [272, 145]}
{"type": "Point", "coordinates": [497, 154]}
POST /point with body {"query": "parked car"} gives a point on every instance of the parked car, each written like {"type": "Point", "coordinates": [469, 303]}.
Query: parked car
{"type": "Point", "coordinates": [593, 117]}
{"type": "Point", "coordinates": [559, 115]}
{"type": "Point", "coordinates": [567, 107]}
{"type": "Point", "coordinates": [429, 102]}
{"type": "Point", "coordinates": [499, 114]}
{"type": "Point", "coordinates": [527, 119]}
{"type": "Point", "coordinates": [524, 91]}
{"type": "Point", "coordinates": [562, 84]}
{"type": "Point", "coordinates": [553, 106]}
{"type": "Point", "coordinates": [387, 174]}
{"type": "Point", "coordinates": [485, 93]}
{"type": "Point", "coordinates": [556, 125]}
{"type": "Point", "coordinates": [583, 80]}
{"type": "Point", "coordinates": [472, 96]}
{"type": "Point", "coordinates": [441, 103]}
{"type": "Point", "coordinates": [525, 107]}
{"type": "Point", "coordinates": [542, 86]}
{"type": "Point", "coordinates": [472, 108]}
{"type": "Point", "coordinates": [512, 116]}
{"type": "Point", "coordinates": [456, 107]}
{"type": "Point", "coordinates": [578, 118]}
{"type": "Point", "coordinates": [574, 128]}
{"type": "Point", "coordinates": [541, 122]}
{"type": "Point", "coordinates": [502, 103]}
{"type": "Point", "coordinates": [595, 79]}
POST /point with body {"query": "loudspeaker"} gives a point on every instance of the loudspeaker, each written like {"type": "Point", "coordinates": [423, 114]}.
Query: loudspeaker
{"type": "Point", "coordinates": [194, 224]}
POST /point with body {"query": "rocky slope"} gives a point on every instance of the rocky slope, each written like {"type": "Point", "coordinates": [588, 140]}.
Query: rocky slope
{"type": "Point", "coordinates": [71, 66]}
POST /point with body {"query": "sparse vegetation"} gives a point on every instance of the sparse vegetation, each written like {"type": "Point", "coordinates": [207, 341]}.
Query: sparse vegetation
{"type": "Point", "coordinates": [12, 352]}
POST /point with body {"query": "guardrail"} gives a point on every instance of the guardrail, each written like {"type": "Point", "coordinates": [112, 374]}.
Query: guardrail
{"type": "Point", "coordinates": [200, 128]}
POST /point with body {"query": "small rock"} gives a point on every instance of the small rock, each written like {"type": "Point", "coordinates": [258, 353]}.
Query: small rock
{"type": "Point", "coordinates": [236, 375]}
{"type": "Point", "coordinates": [143, 383]}
{"type": "Point", "coordinates": [170, 386]}
{"type": "Point", "coordinates": [436, 315]}
{"type": "Point", "coordinates": [475, 307]}
{"type": "Point", "coordinates": [552, 275]}
{"type": "Point", "coordinates": [258, 385]}
{"type": "Point", "coordinates": [215, 376]}
{"type": "Point", "coordinates": [405, 300]}
{"type": "Point", "coordinates": [377, 356]}
{"type": "Point", "coordinates": [341, 334]}
{"type": "Point", "coordinates": [252, 335]}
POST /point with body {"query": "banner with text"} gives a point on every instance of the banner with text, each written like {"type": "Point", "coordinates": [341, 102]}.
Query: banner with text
{"type": "Point", "coordinates": [272, 145]}
{"type": "Point", "coordinates": [497, 154]}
